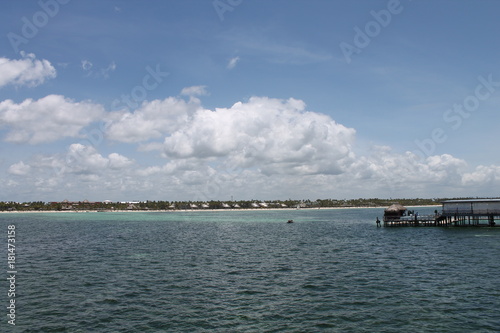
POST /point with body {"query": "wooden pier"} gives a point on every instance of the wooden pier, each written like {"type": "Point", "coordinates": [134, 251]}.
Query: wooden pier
{"type": "Point", "coordinates": [459, 213]}
{"type": "Point", "coordinates": [417, 221]}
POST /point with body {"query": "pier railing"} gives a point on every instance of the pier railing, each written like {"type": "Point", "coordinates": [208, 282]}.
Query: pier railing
{"type": "Point", "coordinates": [415, 220]}
{"type": "Point", "coordinates": [471, 212]}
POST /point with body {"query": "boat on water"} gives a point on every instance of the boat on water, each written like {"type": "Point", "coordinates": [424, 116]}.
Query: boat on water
{"type": "Point", "coordinates": [289, 221]}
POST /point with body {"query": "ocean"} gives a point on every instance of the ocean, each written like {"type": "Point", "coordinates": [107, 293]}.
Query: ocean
{"type": "Point", "coordinates": [332, 270]}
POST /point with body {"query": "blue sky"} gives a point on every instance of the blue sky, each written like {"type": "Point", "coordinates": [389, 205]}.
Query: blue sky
{"type": "Point", "coordinates": [202, 100]}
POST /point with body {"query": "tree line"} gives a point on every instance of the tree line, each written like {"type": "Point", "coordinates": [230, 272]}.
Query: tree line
{"type": "Point", "coordinates": [214, 204]}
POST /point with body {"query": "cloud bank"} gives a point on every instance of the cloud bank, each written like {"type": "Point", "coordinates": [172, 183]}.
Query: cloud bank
{"type": "Point", "coordinates": [260, 148]}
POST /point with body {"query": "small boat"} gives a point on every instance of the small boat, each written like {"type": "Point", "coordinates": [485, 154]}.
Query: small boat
{"type": "Point", "coordinates": [290, 221]}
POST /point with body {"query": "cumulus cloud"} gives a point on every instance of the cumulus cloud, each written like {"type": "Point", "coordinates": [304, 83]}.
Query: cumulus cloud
{"type": "Point", "coordinates": [275, 135]}
{"type": "Point", "coordinates": [402, 169]}
{"type": "Point", "coordinates": [48, 119]}
{"type": "Point", "coordinates": [403, 174]}
{"type": "Point", "coordinates": [482, 175]}
{"type": "Point", "coordinates": [80, 168]}
{"type": "Point", "coordinates": [117, 161]}
{"type": "Point", "coordinates": [86, 159]}
{"type": "Point", "coordinates": [152, 120]}
{"type": "Point", "coordinates": [27, 71]}
{"type": "Point", "coordinates": [79, 159]}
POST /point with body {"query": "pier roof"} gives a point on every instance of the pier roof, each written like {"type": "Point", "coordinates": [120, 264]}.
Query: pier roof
{"type": "Point", "coordinates": [471, 200]}
{"type": "Point", "coordinates": [472, 207]}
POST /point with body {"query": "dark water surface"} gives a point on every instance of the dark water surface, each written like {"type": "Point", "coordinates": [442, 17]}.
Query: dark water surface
{"type": "Point", "coordinates": [249, 271]}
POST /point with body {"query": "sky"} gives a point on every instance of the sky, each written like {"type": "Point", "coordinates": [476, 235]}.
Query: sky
{"type": "Point", "coordinates": [237, 99]}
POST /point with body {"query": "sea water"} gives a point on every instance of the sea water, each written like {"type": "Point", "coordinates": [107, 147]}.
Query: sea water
{"type": "Point", "coordinates": [332, 270]}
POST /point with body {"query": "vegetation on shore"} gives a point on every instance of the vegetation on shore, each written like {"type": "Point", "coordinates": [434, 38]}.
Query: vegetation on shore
{"type": "Point", "coordinates": [241, 204]}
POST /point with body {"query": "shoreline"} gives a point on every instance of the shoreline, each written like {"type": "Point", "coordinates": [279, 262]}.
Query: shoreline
{"type": "Point", "coordinates": [189, 210]}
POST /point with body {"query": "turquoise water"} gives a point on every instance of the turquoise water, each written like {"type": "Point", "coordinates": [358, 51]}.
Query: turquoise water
{"type": "Point", "coordinates": [249, 271]}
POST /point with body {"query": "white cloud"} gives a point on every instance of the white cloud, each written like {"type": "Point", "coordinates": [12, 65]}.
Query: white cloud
{"type": "Point", "coordinates": [274, 135]}
{"type": "Point", "coordinates": [403, 174]}
{"type": "Point", "coordinates": [27, 71]}
{"type": "Point", "coordinates": [194, 91]}
{"type": "Point", "coordinates": [152, 120]}
{"type": "Point", "coordinates": [117, 161]}
{"type": "Point", "coordinates": [483, 175]}
{"type": "Point", "coordinates": [19, 169]}
{"type": "Point", "coordinates": [233, 62]}
{"type": "Point", "coordinates": [81, 168]}
{"type": "Point", "coordinates": [82, 159]}
{"type": "Point", "coordinates": [48, 119]}
{"type": "Point", "coordinates": [85, 159]}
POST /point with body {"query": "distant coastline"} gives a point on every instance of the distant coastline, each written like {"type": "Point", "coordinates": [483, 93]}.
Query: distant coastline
{"type": "Point", "coordinates": [190, 210]}
{"type": "Point", "coordinates": [212, 205]}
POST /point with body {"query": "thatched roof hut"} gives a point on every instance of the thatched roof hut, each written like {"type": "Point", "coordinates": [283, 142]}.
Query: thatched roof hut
{"type": "Point", "coordinates": [394, 212]}
{"type": "Point", "coordinates": [395, 208]}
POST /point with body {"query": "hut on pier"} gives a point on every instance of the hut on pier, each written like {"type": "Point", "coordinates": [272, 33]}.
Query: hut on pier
{"type": "Point", "coordinates": [394, 212]}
